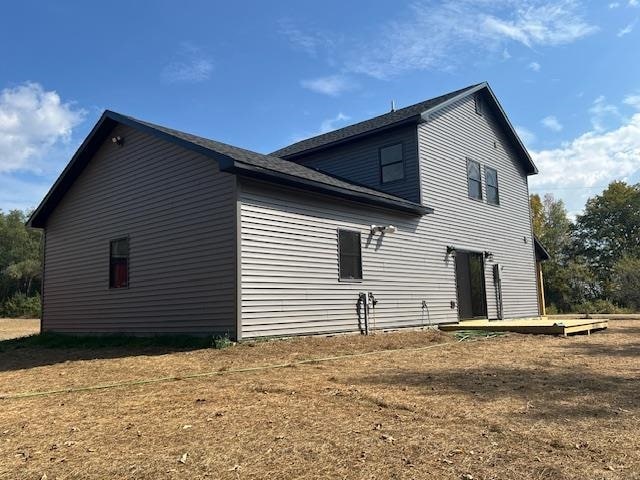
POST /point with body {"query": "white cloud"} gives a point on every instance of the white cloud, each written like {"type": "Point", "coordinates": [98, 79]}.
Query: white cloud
{"type": "Point", "coordinates": [190, 65]}
{"type": "Point", "coordinates": [311, 42]}
{"type": "Point", "coordinates": [626, 30]}
{"type": "Point", "coordinates": [526, 135]}
{"type": "Point", "coordinates": [602, 113]}
{"type": "Point", "coordinates": [540, 23]}
{"type": "Point", "coordinates": [591, 160]}
{"type": "Point", "coordinates": [614, 5]}
{"type": "Point", "coordinates": [332, 85]}
{"type": "Point", "coordinates": [535, 66]}
{"type": "Point", "coordinates": [634, 3]}
{"type": "Point", "coordinates": [326, 125]}
{"type": "Point", "coordinates": [633, 101]}
{"type": "Point", "coordinates": [442, 35]}
{"type": "Point", "coordinates": [552, 123]}
{"type": "Point", "coordinates": [333, 123]}
{"type": "Point", "coordinates": [32, 122]}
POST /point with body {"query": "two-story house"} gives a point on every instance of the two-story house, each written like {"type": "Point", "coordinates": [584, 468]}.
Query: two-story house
{"type": "Point", "coordinates": [416, 217]}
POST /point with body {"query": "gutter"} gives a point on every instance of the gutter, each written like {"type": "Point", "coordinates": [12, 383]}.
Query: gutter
{"type": "Point", "coordinates": [251, 171]}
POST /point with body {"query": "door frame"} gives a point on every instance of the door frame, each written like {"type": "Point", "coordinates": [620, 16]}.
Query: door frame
{"type": "Point", "coordinates": [484, 283]}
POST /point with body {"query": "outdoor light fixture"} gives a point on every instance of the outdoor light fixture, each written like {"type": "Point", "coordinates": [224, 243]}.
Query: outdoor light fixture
{"type": "Point", "coordinates": [383, 229]}
{"type": "Point", "coordinates": [488, 255]}
{"type": "Point", "coordinates": [451, 249]}
{"type": "Point", "coordinates": [118, 140]}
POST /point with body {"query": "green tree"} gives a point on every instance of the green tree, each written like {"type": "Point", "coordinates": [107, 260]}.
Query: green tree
{"type": "Point", "coordinates": [20, 256]}
{"type": "Point", "coordinates": [568, 282]}
{"type": "Point", "coordinates": [608, 230]}
{"type": "Point", "coordinates": [625, 282]}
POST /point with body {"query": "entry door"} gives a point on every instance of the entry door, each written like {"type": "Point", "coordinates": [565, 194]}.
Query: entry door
{"type": "Point", "coordinates": [472, 299]}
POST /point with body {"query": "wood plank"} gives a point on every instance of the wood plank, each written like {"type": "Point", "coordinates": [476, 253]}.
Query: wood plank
{"type": "Point", "coordinates": [541, 326]}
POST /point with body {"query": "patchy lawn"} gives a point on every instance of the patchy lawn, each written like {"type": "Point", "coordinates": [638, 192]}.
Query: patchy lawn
{"type": "Point", "coordinates": [18, 327]}
{"type": "Point", "coordinates": [510, 407]}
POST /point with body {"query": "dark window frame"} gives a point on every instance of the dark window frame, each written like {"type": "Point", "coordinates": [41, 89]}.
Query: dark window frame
{"type": "Point", "coordinates": [478, 104]}
{"type": "Point", "coordinates": [496, 186]}
{"type": "Point", "coordinates": [469, 180]}
{"type": "Point", "coordinates": [401, 161]}
{"type": "Point", "coordinates": [112, 285]}
{"type": "Point", "coordinates": [359, 255]}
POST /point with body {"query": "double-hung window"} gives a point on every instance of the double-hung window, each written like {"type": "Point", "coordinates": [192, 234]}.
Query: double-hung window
{"type": "Point", "coordinates": [391, 163]}
{"type": "Point", "coordinates": [491, 176]}
{"type": "Point", "coordinates": [119, 263]}
{"type": "Point", "coordinates": [474, 180]}
{"type": "Point", "coordinates": [349, 255]}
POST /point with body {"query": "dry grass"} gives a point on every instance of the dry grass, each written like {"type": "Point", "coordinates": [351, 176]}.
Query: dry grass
{"type": "Point", "coordinates": [512, 407]}
{"type": "Point", "coordinates": [18, 327]}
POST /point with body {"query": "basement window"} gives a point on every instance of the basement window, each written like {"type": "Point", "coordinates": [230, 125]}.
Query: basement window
{"type": "Point", "coordinates": [119, 263]}
{"type": "Point", "coordinates": [391, 163]}
{"type": "Point", "coordinates": [349, 255]}
{"type": "Point", "coordinates": [474, 180]}
{"type": "Point", "coordinates": [491, 176]}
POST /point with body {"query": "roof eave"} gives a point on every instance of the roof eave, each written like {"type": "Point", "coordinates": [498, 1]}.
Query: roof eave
{"type": "Point", "coordinates": [251, 171]}
{"type": "Point", "coordinates": [531, 168]}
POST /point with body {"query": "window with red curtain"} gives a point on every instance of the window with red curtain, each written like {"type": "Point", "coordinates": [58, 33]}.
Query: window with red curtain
{"type": "Point", "coordinates": [119, 263]}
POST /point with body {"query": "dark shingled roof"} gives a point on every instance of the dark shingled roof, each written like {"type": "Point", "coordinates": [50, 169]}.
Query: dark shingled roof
{"type": "Point", "coordinates": [230, 159]}
{"type": "Point", "coordinates": [397, 117]}
{"type": "Point", "coordinates": [265, 163]}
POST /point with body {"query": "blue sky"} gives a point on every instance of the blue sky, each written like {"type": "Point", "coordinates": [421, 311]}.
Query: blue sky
{"type": "Point", "coordinates": [263, 74]}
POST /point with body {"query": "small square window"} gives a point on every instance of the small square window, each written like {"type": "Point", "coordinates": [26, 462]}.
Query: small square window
{"type": "Point", "coordinates": [491, 176]}
{"type": "Point", "coordinates": [119, 263]}
{"type": "Point", "coordinates": [349, 255]}
{"type": "Point", "coordinates": [391, 163]}
{"type": "Point", "coordinates": [474, 181]}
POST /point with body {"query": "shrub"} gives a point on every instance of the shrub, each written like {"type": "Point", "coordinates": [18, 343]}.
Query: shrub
{"type": "Point", "coordinates": [599, 306]}
{"type": "Point", "coordinates": [221, 342]}
{"type": "Point", "coordinates": [21, 305]}
{"type": "Point", "coordinates": [552, 309]}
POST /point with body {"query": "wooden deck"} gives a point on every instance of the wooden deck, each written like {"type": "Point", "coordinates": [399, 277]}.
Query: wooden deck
{"type": "Point", "coordinates": [541, 325]}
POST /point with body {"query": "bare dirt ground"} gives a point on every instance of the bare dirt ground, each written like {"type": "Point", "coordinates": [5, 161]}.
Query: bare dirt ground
{"type": "Point", "coordinates": [511, 407]}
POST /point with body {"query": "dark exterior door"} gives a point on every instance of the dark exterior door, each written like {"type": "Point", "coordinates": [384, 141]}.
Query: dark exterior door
{"type": "Point", "coordinates": [472, 299]}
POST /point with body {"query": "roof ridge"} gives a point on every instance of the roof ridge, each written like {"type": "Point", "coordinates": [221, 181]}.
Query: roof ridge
{"type": "Point", "coordinates": [400, 115]}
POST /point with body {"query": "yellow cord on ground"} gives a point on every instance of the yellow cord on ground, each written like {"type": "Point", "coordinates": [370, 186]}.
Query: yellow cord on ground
{"type": "Point", "coordinates": [220, 372]}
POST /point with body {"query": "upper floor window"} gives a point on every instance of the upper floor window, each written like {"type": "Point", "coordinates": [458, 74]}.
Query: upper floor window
{"type": "Point", "coordinates": [474, 180]}
{"type": "Point", "coordinates": [349, 255]}
{"type": "Point", "coordinates": [391, 163]}
{"type": "Point", "coordinates": [119, 263]}
{"type": "Point", "coordinates": [478, 104]}
{"type": "Point", "coordinates": [491, 176]}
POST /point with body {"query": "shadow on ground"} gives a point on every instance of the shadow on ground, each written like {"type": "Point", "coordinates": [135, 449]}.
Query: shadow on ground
{"type": "Point", "coordinates": [543, 393]}
{"type": "Point", "coordinates": [606, 350]}
{"type": "Point", "coordinates": [50, 349]}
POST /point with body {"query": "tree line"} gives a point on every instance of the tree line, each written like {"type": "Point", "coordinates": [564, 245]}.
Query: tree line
{"type": "Point", "coordinates": [594, 265]}
{"type": "Point", "coordinates": [20, 266]}
{"type": "Point", "coordinates": [595, 259]}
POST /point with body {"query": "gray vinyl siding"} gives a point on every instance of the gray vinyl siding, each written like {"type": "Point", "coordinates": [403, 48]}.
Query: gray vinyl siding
{"type": "Point", "coordinates": [445, 141]}
{"type": "Point", "coordinates": [178, 212]}
{"type": "Point", "coordinates": [289, 251]}
{"type": "Point", "coordinates": [359, 162]}
{"type": "Point", "coordinates": [289, 258]}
